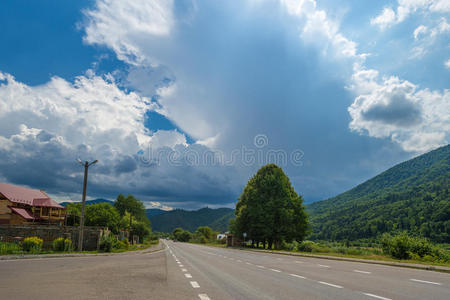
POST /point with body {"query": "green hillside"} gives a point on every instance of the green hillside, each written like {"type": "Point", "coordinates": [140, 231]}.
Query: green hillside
{"type": "Point", "coordinates": [412, 196]}
{"type": "Point", "coordinates": [217, 219]}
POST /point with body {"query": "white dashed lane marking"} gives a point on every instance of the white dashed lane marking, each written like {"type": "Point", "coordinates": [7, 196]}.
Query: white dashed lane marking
{"type": "Point", "coordinates": [376, 296]}
{"type": "Point", "coordinates": [299, 262]}
{"type": "Point", "coordinates": [330, 284]}
{"type": "Point", "coordinates": [195, 284]}
{"type": "Point", "coordinates": [187, 275]}
{"type": "Point", "coordinates": [298, 276]}
{"type": "Point", "coordinates": [203, 297]}
{"type": "Point", "coordinates": [275, 270]}
{"type": "Point", "coordinates": [363, 272]}
{"type": "Point", "coordinates": [324, 266]}
{"type": "Point", "coordinates": [262, 267]}
{"type": "Point", "coordinates": [424, 281]}
{"type": "Point", "coordinates": [183, 270]}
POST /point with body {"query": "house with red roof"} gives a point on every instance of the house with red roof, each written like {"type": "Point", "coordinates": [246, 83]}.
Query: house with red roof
{"type": "Point", "coordinates": [21, 205]}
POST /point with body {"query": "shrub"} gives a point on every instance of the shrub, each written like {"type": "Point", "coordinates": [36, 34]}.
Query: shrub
{"type": "Point", "coordinates": [62, 244]}
{"type": "Point", "coordinates": [397, 246]}
{"type": "Point", "coordinates": [9, 248]}
{"type": "Point", "coordinates": [58, 244]}
{"type": "Point", "coordinates": [108, 242]}
{"type": "Point", "coordinates": [67, 245]}
{"type": "Point", "coordinates": [403, 246]}
{"type": "Point", "coordinates": [32, 244]}
{"type": "Point", "coordinates": [309, 246]}
{"type": "Point", "coordinates": [289, 246]}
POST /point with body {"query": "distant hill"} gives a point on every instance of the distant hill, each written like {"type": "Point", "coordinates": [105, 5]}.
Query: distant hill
{"type": "Point", "coordinates": [88, 202]}
{"type": "Point", "coordinates": [150, 212]}
{"type": "Point", "coordinates": [217, 219]}
{"type": "Point", "coordinates": [412, 196]}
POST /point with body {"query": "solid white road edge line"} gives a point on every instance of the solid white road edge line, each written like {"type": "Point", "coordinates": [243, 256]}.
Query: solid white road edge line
{"type": "Point", "coordinates": [275, 270]}
{"type": "Point", "coordinates": [195, 284]}
{"type": "Point", "coordinates": [330, 284]}
{"type": "Point", "coordinates": [364, 272]}
{"type": "Point", "coordinates": [424, 281]}
{"type": "Point", "coordinates": [376, 296]}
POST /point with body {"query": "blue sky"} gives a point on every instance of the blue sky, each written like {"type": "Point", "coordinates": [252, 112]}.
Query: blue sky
{"type": "Point", "coordinates": [154, 89]}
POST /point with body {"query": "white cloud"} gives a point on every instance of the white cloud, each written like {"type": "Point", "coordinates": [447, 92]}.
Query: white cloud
{"type": "Point", "coordinates": [416, 119]}
{"type": "Point", "coordinates": [447, 63]}
{"type": "Point", "coordinates": [222, 93]}
{"type": "Point", "coordinates": [425, 41]}
{"type": "Point", "coordinates": [319, 29]}
{"type": "Point", "coordinates": [111, 23]}
{"type": "Point", "coordinates": [389, 16]}
{"type": "Point", "coordinates": [44, 128]}
{"type": "Point", "coordinates": [419, 31]}
{"type": "Point", "coordinates": [89, 111]}
{"type": "Point", "coordinates": [385, 19]}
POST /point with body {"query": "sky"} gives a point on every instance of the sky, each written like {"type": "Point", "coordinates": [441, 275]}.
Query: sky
{"type": "Point", "coordinates": [183, 101]}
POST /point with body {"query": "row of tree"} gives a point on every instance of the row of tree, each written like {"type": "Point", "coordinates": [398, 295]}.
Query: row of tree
{"type": "Point", "coordinates": [127, 213]}
{"type": "Point", "coordinates": [202, 234]}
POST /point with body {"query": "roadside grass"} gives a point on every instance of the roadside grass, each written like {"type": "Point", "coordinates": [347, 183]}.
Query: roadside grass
{"type": "Point", "coordinates": [367, 253]}
{"type": "Point", "coordinates": [14, 248]}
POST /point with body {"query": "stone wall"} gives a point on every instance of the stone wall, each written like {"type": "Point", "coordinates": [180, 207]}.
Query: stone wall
{"type": "Point", "coordinates": [15, 233]}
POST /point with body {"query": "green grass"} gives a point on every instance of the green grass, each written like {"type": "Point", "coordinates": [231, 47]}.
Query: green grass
{"type": "Point", "coordinates": [14, 248]}
{"type": "Point", "coordinates": [368, 254]}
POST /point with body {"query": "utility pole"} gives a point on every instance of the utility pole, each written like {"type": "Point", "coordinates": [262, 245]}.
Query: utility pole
{"type": "Point", "coordinates": [86, 165]}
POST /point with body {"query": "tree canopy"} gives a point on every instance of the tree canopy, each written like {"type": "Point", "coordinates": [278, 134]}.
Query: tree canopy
{"type": "Point", "coordinates": [132, 205]}
{"type": "Point", "coordinates": [269, 210]}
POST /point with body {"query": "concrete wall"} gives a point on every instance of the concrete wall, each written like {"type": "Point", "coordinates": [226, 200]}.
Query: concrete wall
{"type": "Point", "coordinates": [14, 233]}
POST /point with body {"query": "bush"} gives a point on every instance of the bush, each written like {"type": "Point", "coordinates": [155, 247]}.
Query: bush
{"type": "Point", "coordinates": [9, 248]}
{"type": "Point", "coordinates": [309, 246]}
{"type": "Point", "coordinates": [403, 246]}
{"type": "Point", "coordinates": [108, 243]}
{"type": "Point", "coordinates": [62, 244]}
{"type": "Point", "coordinates": [58, 244]}
{"type": "Point", "coordinates": [289, 246]}
{"type": "Point", "coordinates": [32, 244]}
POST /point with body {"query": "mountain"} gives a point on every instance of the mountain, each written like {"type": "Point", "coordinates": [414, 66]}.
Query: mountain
{"type": "Point", "coordinates": [150, 212]}
{"type": "Point", "coordinates": [413, 196]}
{"type": "Point", "coordinates": [217, 219]}
{"type": "Point", "coordinates": [88, 202]}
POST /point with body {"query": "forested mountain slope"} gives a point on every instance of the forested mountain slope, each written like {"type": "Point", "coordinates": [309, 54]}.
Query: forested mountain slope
{"type": "Point", "coordinates": [412, 196]}
{"type": "Point", "coordinates": [217, 219]}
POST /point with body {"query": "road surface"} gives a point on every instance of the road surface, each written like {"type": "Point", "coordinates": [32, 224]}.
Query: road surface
{"type": "Point", "coordinates": [188, 271]}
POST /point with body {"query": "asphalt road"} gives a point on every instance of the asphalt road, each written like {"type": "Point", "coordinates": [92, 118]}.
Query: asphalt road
{"type": "Point", "coordinates": [234, 274]}
{"type": "Point", "coordinates": [187, 271]}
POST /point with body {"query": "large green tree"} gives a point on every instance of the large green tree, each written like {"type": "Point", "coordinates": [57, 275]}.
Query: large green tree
{"type": "Point", "coordinates": [269, 210]}
{"type": "Point", "coordinates": [130, 204]}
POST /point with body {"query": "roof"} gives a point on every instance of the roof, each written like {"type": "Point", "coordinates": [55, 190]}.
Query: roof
{"type": "Point", "coordinates": [23, 195]}
{"type": "Point", "coordinates": [24, 213]}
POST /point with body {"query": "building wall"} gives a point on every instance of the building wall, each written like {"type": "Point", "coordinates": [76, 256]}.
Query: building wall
{"type": "Point", "coordinates": [5, 212]}
{"type": "Point", "coordinates": [14, 233]}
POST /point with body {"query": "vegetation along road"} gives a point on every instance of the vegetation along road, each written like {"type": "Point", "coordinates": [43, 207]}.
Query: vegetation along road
{"type": "Point", "coordinates": [190, 271]}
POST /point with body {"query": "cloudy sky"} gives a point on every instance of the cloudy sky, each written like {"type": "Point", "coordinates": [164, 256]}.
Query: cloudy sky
{"type": "Point", "coordinates": [182, 101]}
